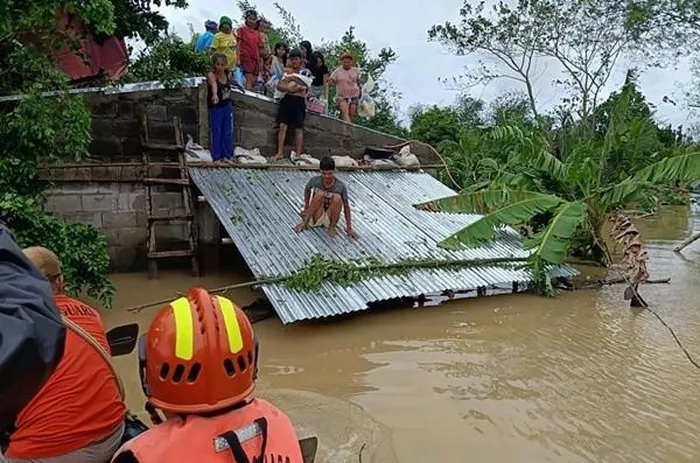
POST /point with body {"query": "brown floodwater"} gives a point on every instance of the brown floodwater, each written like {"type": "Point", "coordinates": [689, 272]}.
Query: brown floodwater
{"type": "Point", "coordinates": [577, 378]}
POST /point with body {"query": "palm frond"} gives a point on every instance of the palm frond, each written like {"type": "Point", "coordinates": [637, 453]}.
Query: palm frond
{"type": "Point", "coordinates": [480, 186]}
{"type": "Point", "coordinates": [532, 151]}
{"type": "Point", "coordinates": [513, 213]}
{"type": "Point", "coordinates": [684, 167]}
{"type": "Point", "coordinates": [489, 162]}
{"type": "Point", "coordinates": [554, 241]}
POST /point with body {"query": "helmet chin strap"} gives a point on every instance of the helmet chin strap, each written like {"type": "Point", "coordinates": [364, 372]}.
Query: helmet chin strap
{"type": "Point", "coordinates": [153, 413]}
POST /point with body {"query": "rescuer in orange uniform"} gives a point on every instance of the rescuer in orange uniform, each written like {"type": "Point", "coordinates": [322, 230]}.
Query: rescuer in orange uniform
{"type": "Point", "coordinates": [78, 415]}
{"type": "Point", "coordinates": [198, 364]}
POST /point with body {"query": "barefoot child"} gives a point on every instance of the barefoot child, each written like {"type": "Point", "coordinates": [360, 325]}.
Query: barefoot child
{"type": "Point", "coordinates": [220, 109]}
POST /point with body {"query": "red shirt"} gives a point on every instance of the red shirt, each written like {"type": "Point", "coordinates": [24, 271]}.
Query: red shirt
{"type": "Point", "coordinates": [249, 43]}
{"type": "Point", "coordinates": [79, 404]}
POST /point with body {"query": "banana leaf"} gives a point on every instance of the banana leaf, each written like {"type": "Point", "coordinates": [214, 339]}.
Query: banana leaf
{"type": "Point", "coordinates": [552, 243]}
{"type": "Point", "coordinates": [518, 211]}
{"type": "Point", "coordinates": [684, 167]}
{"type": "Point", "coordinates": [478, 202]}
{"type": "Point", "coordinates": [545, 161]}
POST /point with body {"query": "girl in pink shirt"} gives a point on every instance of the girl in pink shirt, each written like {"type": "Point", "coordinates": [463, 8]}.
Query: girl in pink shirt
{"type": "Point", "coordinates": [346, 79]}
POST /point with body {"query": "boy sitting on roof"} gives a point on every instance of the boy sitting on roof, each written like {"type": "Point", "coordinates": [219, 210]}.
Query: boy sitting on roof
{"type": "Point", "coordinates": [324, 197]}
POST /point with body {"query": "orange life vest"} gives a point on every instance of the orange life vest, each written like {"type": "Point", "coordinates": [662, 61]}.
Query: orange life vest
{"type": "Point", "coordinates": [259, 430]}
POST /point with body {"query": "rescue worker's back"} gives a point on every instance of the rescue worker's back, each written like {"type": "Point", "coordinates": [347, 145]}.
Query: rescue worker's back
{"type": "Point", "coordinates": [79, 409]}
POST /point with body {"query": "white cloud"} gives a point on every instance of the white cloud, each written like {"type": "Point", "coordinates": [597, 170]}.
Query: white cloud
{"type": "Point", "coordinates": [403, 25]}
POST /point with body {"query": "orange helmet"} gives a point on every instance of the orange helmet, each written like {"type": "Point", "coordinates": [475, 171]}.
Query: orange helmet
{"type": "Point", "coordinates": [199, 355]}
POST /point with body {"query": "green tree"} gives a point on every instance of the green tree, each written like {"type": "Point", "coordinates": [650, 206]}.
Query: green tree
{"type": "Point", "coordinates": [469, 111]}
{"type": "Point", "coordinates": [142, 19]}
{"type": "Point", "coordinates": [662, 29]}
{"type": "Point", "coordinates": [510, 108]}
{"type": "Point", "coordinates": [435, 125]}
{"type": "Point", "coordinates": [170, 60]}
{"type": "Point", "coordinates": [585, 38]}
{"type": "Point", "coordinates": [37, 128]}
{"type": "Point", "coordinates": [572, 196]}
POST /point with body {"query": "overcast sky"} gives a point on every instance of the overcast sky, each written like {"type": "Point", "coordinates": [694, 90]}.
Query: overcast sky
{"type": "Point", "coordinates": [403, 25]}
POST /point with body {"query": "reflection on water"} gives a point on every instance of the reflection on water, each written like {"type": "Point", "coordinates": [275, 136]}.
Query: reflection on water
{"type": "Point", "coordinates": [511, 378]}
{"type": "Point", "coordinates": [671, 224]}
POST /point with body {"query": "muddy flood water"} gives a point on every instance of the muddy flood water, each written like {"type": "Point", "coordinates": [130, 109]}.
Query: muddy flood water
{"type": "Point", "coordinates": [577, 378]}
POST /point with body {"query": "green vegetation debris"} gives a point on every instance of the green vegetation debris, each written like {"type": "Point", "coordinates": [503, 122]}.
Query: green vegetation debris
{"type": "Point", "coordinates": [319, 270]}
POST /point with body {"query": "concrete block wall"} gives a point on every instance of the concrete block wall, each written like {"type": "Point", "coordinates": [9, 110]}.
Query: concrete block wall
{"type": "Point", "coordinates": [116, 125]}
{"type": "Point", "coordinates": [116, 119]}
{"type": "Point", "coordinates": [255, 127]}
{"type": "Point", "coordinates": [119, 210]}
{"type": "Point", "coordinates": [112, 198]}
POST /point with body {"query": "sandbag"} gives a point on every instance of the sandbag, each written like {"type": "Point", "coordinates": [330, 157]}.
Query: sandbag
{"type": "Point", "coordinates": [304, 159]}
{"type": "Point", "coordinates": [245, 156]}
{"type": "Point", "coordinates": [195, 152]}
{"type": "Point", "coordinates": [406, 159]}
{"type": "Point", "coordinates": [32, 336]}
{"type": "Point", "coordinates": [383, 164]}
{"type": "Point", "coordinates": [344, 161]}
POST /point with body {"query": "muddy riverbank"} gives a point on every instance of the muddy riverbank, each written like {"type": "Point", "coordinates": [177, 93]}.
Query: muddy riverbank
{"type": "Point", "coordinates": [510, 378]}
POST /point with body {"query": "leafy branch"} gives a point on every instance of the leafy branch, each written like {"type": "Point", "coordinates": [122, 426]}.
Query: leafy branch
{"type": "Point", "coordinates": [319, 270]}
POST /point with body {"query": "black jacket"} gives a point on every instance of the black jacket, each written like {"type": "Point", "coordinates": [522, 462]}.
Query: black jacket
{"type": "Point", "coordinates": [32, 335]}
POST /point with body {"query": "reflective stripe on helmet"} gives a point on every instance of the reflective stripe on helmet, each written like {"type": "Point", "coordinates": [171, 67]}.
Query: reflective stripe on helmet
{"type": "Point", "coordinates": [184, 330]}
{"type": "Point", "coordinates": [233, 329]}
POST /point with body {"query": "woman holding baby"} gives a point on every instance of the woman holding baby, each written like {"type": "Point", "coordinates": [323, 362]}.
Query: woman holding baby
{"type": "Point", "coordinates": [294, 85]}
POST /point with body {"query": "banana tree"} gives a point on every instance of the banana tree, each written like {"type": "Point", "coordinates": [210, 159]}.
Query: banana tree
{"type": "Point", "coordinates": [576, 191]}
{"type": "Point", "coordinates": [551, 245]}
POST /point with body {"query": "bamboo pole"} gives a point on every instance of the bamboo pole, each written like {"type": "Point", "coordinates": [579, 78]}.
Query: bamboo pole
{"type": "Point", "coordinates": [221, 289]}
{"type": "Point", "coordinates": [85, 165]}
{"type": "Point", "coordinates": [687, 242]}
{"type": "Point", "coordinates": [254, 283]}
{"type": "Point", "coordinates": [382, 267]}
{"type": "Point", "coordinates": [212, 165]}
{"type": "Point", "coordinates": [366, 268]}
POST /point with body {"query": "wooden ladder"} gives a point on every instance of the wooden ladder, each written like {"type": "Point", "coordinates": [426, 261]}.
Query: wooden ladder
{"type": "Point", "coordinates": [183, 181]}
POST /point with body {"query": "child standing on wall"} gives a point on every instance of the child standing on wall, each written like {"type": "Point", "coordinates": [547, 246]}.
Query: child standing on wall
{"type": "Point", "coordinates": [225, 43]}
{"type": "Point", "coordinates": [220, 109]}
{"type": "Point", "coordinates": [249, 49]}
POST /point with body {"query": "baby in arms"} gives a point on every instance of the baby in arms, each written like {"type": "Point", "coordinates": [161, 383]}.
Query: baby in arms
{"type": "Point", "coordinates": [295, 83]}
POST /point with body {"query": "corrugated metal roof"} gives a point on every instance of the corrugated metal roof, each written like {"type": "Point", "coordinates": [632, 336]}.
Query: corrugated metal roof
{"type": "Point", "coordinates": [259, 208]}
